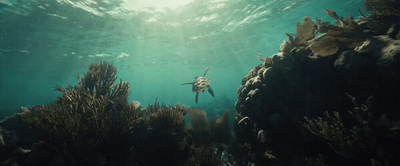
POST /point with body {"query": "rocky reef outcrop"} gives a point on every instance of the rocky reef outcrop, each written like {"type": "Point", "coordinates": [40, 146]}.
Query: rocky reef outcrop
{"type": "Point", "coordinates": [303, 104]}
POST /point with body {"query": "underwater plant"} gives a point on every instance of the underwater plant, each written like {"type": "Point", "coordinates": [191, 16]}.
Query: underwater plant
{"type": "Point", "coordinates": [101, 79]}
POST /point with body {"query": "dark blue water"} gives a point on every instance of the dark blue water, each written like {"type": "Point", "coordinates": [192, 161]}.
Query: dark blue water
{"type": "Point", "coordinates": [156, 46]}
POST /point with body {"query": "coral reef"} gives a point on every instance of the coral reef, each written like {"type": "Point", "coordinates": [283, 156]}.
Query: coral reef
{"type": "Point", "coordinates": [78, 125]}
{"type": "Point", "coordinates": [94, 124]}
{"type": "Point", "coordinates": [314, 74]}
{"type": "Point", "coordinates": [300, 107]}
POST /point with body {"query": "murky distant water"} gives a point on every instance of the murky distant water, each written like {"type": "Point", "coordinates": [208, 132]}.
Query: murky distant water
{"type": "Point", "coordinates": [44, 43]}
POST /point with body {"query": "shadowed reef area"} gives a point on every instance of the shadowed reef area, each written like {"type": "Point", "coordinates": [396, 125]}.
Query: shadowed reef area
{"type": "Point", "coordinates": [329, 97]}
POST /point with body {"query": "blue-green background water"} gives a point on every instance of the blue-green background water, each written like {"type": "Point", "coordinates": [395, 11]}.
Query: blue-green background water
{"type": "Point", "coordinates": [44, 43]}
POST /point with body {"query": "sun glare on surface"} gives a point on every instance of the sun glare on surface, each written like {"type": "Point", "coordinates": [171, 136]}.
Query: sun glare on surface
{"type": "Point", "coordinates": [140, 4]}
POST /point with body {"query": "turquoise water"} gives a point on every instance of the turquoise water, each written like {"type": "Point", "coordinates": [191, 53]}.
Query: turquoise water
{"type": "Point", "coordinates": [155, 46]}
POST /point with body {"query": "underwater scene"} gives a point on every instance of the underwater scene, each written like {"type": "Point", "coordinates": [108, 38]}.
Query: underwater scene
{"type": "Point", "coordinates": [200, 82]}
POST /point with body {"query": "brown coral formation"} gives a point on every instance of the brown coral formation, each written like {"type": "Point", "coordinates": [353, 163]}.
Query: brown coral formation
{"type": "Point", "coordinates": [314, 75]}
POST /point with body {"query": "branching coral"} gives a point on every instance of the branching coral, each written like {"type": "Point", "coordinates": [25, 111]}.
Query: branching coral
{"type": "Point", "coordinates": [168, 117]}
{"type": "Point", "coordinates": [87, 116]}
{"type": "Point", "coordinates": [345, 141]}
{"type": "Point", "coordinates": [85, 112]}
{"type": "Point", "coordinates": [101, 78]}
{"type": "Point", "coordinates": [128, 118]}
{"type": "Point", "coordinates": [93, 124]}
{"type": "Point", "coordinates": [332, 129]}
{"type": "Point", "coordinates": [73, 121]}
